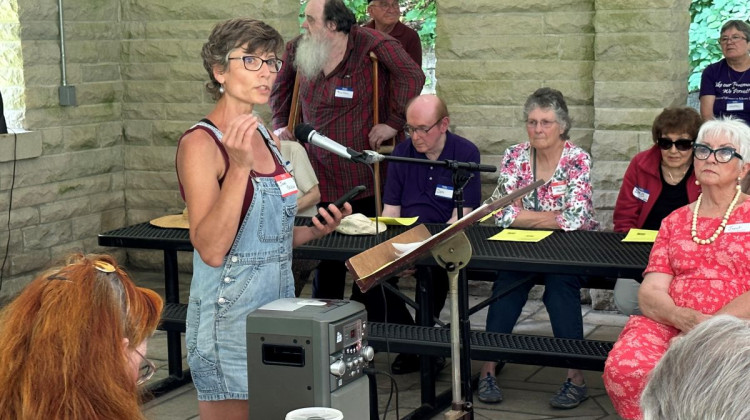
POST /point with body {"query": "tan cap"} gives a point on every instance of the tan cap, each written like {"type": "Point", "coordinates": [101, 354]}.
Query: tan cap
{"type": "Point", "coordinates": [173, 221]}
{"type": "Point", "coordinates": [359, 224]}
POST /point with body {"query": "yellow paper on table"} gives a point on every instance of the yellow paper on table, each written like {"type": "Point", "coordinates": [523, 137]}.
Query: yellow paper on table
{"type": "Point", "coordinates": [640, 235]}
{"type": "Point", "coordinates": [397, 221]}
{"type": "Point", "coordinates": [520, 235]}
{"type": "Point", "coordinates": [490, 215]}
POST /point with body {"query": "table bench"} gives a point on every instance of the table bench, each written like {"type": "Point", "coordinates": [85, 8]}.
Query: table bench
{"type": "Point", "coordinates": [599, 255]}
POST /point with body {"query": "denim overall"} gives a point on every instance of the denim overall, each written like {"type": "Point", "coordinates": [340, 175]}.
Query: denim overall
{"type": "Point", "coordinates": [256, 271]}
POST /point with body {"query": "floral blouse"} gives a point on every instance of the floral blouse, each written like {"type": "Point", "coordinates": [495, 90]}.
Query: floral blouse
{"type": "Point", "coordinates": [568, 191]}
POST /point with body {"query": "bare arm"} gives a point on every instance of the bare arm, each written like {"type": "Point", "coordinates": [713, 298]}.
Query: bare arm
{"type": "Point", "coordinates": [655, 303]}
{"type": "Point", "coordinates": [311, 198]}
{"type": "Point", "coordinates": [391, 211]}
{"type": "Point", "coordinates": [536, 219]}
{"type": "Point", "coordinates": [214, 212]}
{"type": "Point", "coordinates": [454, 216]}
{"type": "Point", "coordinates": [707, 107]}
{"type": "Point", "coordinates": [739, 307]}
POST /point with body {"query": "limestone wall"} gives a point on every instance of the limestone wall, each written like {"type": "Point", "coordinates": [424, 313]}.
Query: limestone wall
{"type": "Point", "coordinates": [618, 63]}
{"type": "Point", "coordinates": [109, 161]}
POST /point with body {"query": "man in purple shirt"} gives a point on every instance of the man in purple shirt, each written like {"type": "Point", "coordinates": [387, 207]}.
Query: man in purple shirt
{"type": "Point", "coordinates": [336, 92]}
{"type": "Point", "coordinates": [425, 191]}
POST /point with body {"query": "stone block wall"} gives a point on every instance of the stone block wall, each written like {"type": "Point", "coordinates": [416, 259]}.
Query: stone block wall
{"type": "Point", "coordinates": [109, 161]}
{"type": "Point", "coordinates": [491, 54]}
{"type": "Point", "coordinates": [617, 62]}
{"type": "Point", "coordinates": [135, 65]}
{"type": "Point", "coordinates": [11, 68]}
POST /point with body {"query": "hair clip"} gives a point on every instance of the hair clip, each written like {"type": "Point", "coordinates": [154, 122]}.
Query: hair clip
{"type": "Point", "coordinates": [104, 267]}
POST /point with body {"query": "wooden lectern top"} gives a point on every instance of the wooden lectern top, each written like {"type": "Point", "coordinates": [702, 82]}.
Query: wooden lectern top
{"type": "Point", "coordinates": [382, 261]}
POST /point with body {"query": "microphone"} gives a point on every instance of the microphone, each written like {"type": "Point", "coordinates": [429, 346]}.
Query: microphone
{"type": "Point", "coordinates": [306, 134]}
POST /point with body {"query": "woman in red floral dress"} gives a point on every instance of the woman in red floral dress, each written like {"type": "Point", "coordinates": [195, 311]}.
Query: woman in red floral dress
{"type": "Point", "coordinates": [698, 266]}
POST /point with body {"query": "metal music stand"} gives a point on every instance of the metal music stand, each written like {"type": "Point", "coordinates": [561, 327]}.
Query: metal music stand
{"type": "Point", "coordinates": [452, 250]}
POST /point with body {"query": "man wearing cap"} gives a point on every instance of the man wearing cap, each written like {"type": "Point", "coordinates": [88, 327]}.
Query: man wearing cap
{"type": "Point", "coordinates": [425, 191]}
{"type": "Point", "coordinates": [386, 18]}
{"type": "Point", "coordinates": [332, 58]}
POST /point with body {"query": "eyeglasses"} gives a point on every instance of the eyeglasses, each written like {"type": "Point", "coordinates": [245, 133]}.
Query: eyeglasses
{"type": "Point", "coordinates": [146, 369]}
{"type": "Point", "coordinates": [253, 63]}
{"type": "Point", "coordinates": [387, 5]}
{"type": "Point", "coordinates": [722, 154]}
{"type": "Point", "coordinates": [544, 123]}
{"type": "Point", "coordinates": [734, 38]}
{"type": "Point", "coordinates": [681, 144]}
{"type": "Point", "coordinates": [420, 130]}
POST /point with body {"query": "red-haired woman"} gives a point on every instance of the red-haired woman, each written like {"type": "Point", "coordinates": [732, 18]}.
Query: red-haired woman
{"type": "Point", "coordinates": [74, 343]}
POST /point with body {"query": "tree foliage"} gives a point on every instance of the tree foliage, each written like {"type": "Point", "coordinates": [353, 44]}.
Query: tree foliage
{"type": "Point", "coordinates": [420, 15]}
{"type": "Point", "coordinates": [707, 17]}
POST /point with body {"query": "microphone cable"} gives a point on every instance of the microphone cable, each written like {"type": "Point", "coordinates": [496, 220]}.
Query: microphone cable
{"type": "Point", "coordinates": [394, 385]}
{"type": "Point", "coordinates": [10, 205]}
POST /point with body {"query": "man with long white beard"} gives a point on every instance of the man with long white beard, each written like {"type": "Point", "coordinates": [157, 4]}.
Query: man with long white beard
{"type": "Point", "coordinates": [336, 98]}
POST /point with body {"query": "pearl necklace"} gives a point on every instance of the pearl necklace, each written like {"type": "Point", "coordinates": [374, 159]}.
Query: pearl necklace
{"type": "Point", "coordinates": [694, 231]}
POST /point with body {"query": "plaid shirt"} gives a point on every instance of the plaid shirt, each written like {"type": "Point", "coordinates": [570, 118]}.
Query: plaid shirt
{"type": "Point", "coordinates": [349, 120]}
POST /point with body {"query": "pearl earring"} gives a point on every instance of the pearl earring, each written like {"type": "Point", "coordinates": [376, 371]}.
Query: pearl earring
{"type": "Point", "coordinates": [739, 181]}
{"type": "Point", "coordinates": [221, 89]}
{"type": "Point", "coordinates": [697, 182]}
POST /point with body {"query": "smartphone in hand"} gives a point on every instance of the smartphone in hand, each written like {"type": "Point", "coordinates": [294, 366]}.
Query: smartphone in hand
{"type": "Point", "coordinates": [340, 202]}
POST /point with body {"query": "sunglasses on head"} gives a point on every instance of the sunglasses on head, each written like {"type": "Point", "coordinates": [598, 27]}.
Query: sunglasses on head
{"type": "Point", "coordinates": [682, 145]}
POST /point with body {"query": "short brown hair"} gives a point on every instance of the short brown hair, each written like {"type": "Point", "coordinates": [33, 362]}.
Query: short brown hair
{"type": "Point", "coordinates": [231, 34]}
{"type": "Point", "coordinates": [738, 25]}
{"type": "Point", "coordinates": [676, 120]}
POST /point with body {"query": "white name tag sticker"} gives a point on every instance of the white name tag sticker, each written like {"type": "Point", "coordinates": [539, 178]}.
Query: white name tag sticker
{"type": "Point", "coordinates": [640, 194]}
{"type": "Point", "coordinates": [344, 92]}
{"type": "Point", "coordinates": [444, 191]}
{"type": "Point", "coordinates": [737, 228]}
{"type": "Point", "coordinates": [559, 188]}
{"type": "Point", "coordinates": [735, 106]}
{"type": "Point", "coordinates": [286, 184]}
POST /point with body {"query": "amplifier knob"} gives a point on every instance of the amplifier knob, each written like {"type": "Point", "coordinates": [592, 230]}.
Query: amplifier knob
{"type": "Point", "coordinates": [368, 353]}
{"type": "Point", "coordinates": [338, 368]}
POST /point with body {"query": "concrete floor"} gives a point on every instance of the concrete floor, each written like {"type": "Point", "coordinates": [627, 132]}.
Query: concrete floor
{"type": "Point", "coordinates": [527, 388]}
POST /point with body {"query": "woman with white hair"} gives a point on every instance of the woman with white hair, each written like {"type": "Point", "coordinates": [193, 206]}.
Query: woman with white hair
{"type": "Point", "coordinates": [716, 355]}
{"type": "Point", "coordinates": [698, 265]}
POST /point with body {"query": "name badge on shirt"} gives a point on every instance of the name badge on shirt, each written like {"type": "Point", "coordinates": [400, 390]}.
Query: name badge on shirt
{"type": "Point", "coordinates": [735, 106]}
{"type": "Point", "coordinates": [558, 188]}
{"type": "Point", "coordinates": [444, 191]}
{"type": "Point", "coordinates": [344, 92]}
{"type": "Point", "coordinates": [286, 184]}
{"type": "Point", "coordinates": [640, 194]}
{"type": "Point", "coordinates": [737, 228]}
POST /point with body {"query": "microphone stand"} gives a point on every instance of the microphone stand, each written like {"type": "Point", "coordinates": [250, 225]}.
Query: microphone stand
{"type": "Point", "coordinates": [459, 285]}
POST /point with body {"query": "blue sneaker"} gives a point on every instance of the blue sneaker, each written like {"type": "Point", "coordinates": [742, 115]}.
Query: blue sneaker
{"type": "Point", "coordinates": [489, 392]}
{"type": "Point", "coordinates": [570, 395]}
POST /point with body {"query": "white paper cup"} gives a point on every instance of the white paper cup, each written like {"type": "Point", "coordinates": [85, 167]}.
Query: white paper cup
{"type": "Point", "coordinates": [315, 413]}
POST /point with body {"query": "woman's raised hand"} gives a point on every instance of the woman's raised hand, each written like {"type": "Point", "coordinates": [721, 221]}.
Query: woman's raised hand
{"type": "Point", "coordinates": [238, 140]}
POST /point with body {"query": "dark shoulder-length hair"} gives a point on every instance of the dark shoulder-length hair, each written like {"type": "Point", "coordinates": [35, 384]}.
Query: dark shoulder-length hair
{"type": "Point", "coordinates": [336, 11]}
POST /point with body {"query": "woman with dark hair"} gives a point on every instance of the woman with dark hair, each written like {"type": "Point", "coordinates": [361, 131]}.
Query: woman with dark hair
{"type": "Point", "coordinates": [697, 268]}
{"type": "Point", "coordinates": [241, 200]}
{"type": "Point", "coordinates": [725, 85]}
{"type": "Point", "coordinates": [563, 202]}
{"type": "Point", "coordinates": [74, 343]}
{"type": "Point", "coordinates": [657, 182]}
